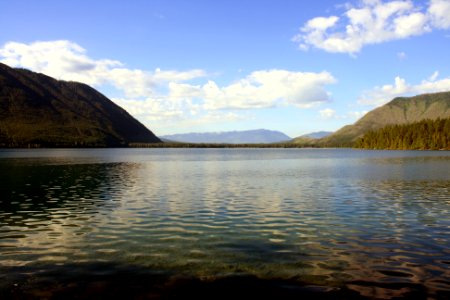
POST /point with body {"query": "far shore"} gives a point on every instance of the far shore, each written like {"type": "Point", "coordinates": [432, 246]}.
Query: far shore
{"type": "Point", "coordinates": [201, 145]}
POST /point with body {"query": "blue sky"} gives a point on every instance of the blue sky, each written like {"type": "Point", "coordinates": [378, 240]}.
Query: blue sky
{"type": "Point", "coordinates": [184, 66]}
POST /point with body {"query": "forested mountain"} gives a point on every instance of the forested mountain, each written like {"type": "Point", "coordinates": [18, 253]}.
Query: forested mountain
{"type": "Point", "coordinates": [39, 111]}
{"type": "Point", "coordinates": [403, 110]}
{"type": "Point", "coordinates": [425, 134]}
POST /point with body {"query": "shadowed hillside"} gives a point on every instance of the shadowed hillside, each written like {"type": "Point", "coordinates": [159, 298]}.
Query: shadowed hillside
{"type": "Point", "coordinates": [39, 111]}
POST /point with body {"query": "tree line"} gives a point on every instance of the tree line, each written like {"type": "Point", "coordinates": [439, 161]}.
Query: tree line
{"type": "Point", "coordinates": [422, 135]}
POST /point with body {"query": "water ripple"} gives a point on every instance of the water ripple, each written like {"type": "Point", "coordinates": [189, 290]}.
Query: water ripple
{"type": "Point", "coordinates": [369, 222]}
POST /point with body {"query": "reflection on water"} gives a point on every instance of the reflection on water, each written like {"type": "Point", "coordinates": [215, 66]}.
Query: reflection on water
{"type": "Point", "coordinates": [41, 188]}
{"type": "Point", "coordinates": [372, 223]}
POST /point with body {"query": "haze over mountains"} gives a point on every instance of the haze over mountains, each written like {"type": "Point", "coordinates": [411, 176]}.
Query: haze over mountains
{"type": "Point", "coordinates": [37, 110]}
{"type": "Point", "coordinates": [231, 137]}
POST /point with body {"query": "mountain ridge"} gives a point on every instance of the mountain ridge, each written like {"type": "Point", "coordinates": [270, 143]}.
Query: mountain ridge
{"type": "Point", "coordinates": [399, 111]}
{"type": "Point", "coordinates": [232, 137]}
{"type": "Point", "coordinates": [38, 110]}
{"type": "Point", "coordinates": [317, 134]}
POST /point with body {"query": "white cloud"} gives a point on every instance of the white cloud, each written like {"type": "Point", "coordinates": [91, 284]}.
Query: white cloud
{"type": "Point", "coordinates": [169, 95]}
{"type": "Point", "coordinates": [263, 89]}
{"type": "Point", "coordinates": [167, 115]}
{"type": "Point", "coordinates": [322, 23]}
{"type": "Point", "coordinates": [68, 61]}
{"type": "Point", "coordinates": [155, 109]}
{"type": "Point", "coordinates": [410, 25]}
{"type": "Point", "coordinates": [373, 22]}
{"type": "Point", "coordinates": [439, 12]}
{"type": "Point", "coordinates": [327, 113]}
{"type": "Point", "coordinates": [184, 90]}
{"type": "Point", "coordinates": [218, 117]}
{"type": "Point", "coordinates": [383, 94]}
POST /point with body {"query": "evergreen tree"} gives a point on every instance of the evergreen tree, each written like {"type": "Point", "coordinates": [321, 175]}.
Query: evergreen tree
{"type": "Point", "coordinates": [423, 135]}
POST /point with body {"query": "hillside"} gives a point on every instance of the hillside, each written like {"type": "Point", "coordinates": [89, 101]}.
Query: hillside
{"type": "Point", "coordinates": [311, 138]}
{"type": "Point", "coordinates": [231, 137]}
{"type": "Point", "coordinates": [39, 111]}
{"type": "Point", "coordinates": [399, 111]}
{"type": "Point", "coordinates": [422, 135]}
{"type": "Point", "coordinates": [317, 134]}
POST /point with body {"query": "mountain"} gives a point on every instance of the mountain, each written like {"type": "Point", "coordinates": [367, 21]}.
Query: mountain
{"type": "Point", "coordinates": [310, 139]}
{"type": "Point", "coordinates": [37, 110]}
{"type": "Point", "coordinates": [231, 137]}
{"type": "Point", "coordinates": [423, 135]}
{"type": "Point", "coordinates": [402, 110]}
{"type": "Point", "coordinates": [317, 134]}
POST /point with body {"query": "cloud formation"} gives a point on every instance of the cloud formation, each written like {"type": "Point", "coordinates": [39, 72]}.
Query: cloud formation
{"type": "Point", "coordinates": [68, 61]}
{"type": "Point", "coordinates": [261, 89]}
{"type": "Point", "coordinates": [373, 22]}
{"type": "Point", "coordinates": [327, 113]}
{"type": "Point", "coordinates": [160, 95]}
{"type": "Point", "coordinates": [383, 94]}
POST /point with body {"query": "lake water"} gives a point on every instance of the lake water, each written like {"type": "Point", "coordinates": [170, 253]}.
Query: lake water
{"type": "Point", "coordinates": [168, 222]}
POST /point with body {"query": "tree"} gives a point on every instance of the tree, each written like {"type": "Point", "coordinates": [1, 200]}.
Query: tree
{"type": "Point", "coordinates": [424, 135]}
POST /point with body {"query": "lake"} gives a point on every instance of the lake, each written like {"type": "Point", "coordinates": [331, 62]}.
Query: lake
{"type": "Point", "coordinates": [172, 223]}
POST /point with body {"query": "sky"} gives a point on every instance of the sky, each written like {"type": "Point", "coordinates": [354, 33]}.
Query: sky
{"type": "Point", "coordinates": [199, 66]}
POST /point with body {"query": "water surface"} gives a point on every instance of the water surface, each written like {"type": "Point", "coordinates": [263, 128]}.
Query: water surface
{"type": "Point", "coordinates": [339, 222]}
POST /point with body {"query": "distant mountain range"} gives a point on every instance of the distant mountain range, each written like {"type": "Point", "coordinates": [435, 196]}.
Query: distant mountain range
{"type": "Point", "coordinates": [37, 110]}
{"type": "Point", "coordinates": [402, 110]}
{"type": "Point", "coordinates": [230, 137]}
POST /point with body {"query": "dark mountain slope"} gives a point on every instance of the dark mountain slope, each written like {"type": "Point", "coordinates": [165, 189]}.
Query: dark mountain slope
{"type": "Point", "coordinates": [38, 110]}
